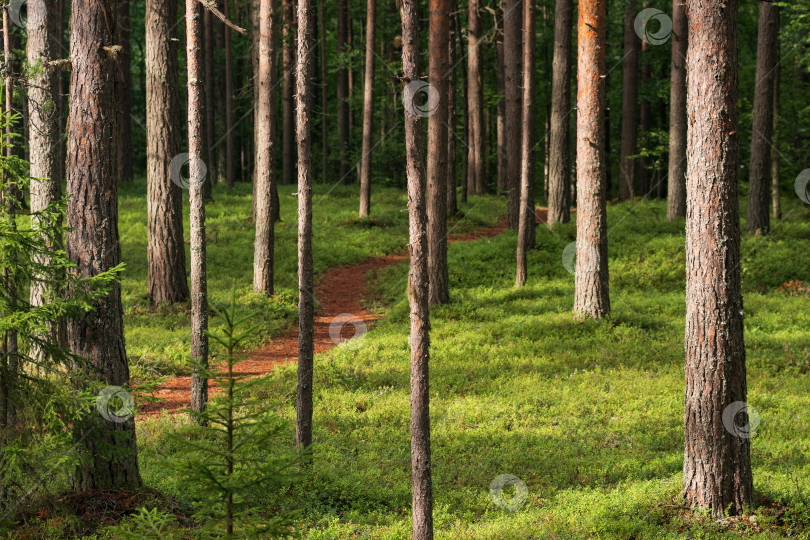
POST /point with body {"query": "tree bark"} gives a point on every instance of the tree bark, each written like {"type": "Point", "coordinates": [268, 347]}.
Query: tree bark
{"type": "Point", "coordinates": [230, 118]}
{"type": "Point", "coordinates": [591, 298]}
{"type": "Point", "coordinates": [527, 217]}
{"type": "Point", "coordinates": [676, 193]}
{"type": "Point", "coordinates": [559, 188]}
{"type": "Point", "coordinates": [166, 252]}
{"type": "Point", "coordinates": [43, 98]}
{"type": "Point", "coordinates": [368, 113]}
{"type": "Point", "coordinates": [629, 105]}
{"type": "Point", "coordinates": [263, 255]}
{"type": "Point", "coordinates": [717, 463]}
{"type": "Point", "coordinates": [421, 481]}
{"type": "Point", "coordinates": [512, 23]}
{"type": "Point", "coordinates": [306, 288]}
{"type": "Point", "coordinates": [288, 152]}
{"type": "Point", "coordinates": [196, 150]}
{"type": "Point", "coordinates": [122, 26]}
{"type": "Point", "coordinates": [775, 155]}
{"type": "Point", "coordinates": [759, 218]}
{"type": "Point", "coordinates": [343, 91]}
{"type": "Point", "coordinates": [437, 154]}
{"type": "Point", "coordinates": [500, 129]}
{"type": "Point", "coordinates": [475, 100]}
{"type": "Point", "coordinates": [92, 242]}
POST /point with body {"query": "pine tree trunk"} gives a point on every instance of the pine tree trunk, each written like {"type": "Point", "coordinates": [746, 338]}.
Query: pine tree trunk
{"type": "Point", "coordinates": [368, 113]}
{"type": "Point", "coordinates": [324, 89]}
{"type": "Point", "coordinates": [92, 242]}
{"type": "Point", "coordinates": [265, 151]}
{"type": "Point", "coordinates": [437, 154]}
{"type": "Point", "coordinates": [450, 190]}
{"type": "Point", "coordinates": [166, 252]}
{"type": "Point", "coordinates": [629, 105]}
{"type": "Point", "coordinates": [676, 193]}
{"type": "Point", "coordinates": [717, 463]}
{"type": "Point", "coordinates": [197, 181]}
{"type": "Point", "coordinates": [759, 221]}
{"type": "Point", "coordinates": [527, 216]}
{"type": "Point", "coordinates": [777, 205]}
{"type": "Point", "coordinates": [230, 117]}
{"type": "Point", "coordinates": [343, 92]}
{"type": "Point", "coordinates": [644, 121]}
{"type": "Point", "coordinates": [276, 31]}
{"type": "Point", "coordinates": [475, 100]}
{"type": "Point", "coordinates": [500, 121]}
{"type": "Point", "coordinates": [512, 48]}
{"type": "Point", "coordinates": [288, 152]}
{"type": "Point", "coordinates": [559, 188]}
{"type": "Point", "coordinates": [306, 287]}
{"type": "Point", "coordinates": [591, 298]}
{"type": "Point", "coordinates": [125, 173]}
{"type": "Point", "coordinates": [210, 98]}
{"type": "Point", "coordinates": [43, 97]}
{"type": "Point", "coordinates": [421, 481]}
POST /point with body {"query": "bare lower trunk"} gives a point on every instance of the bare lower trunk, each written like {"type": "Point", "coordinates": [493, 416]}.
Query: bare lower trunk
{"type": "Point", "coordinates": [437, 154]}
{"type": "Point", "coordinates": [475, 101]}
{"type": "Point", "coordinates": [527, 219]}
{"type": "Point", "coordinates": [500, 128]}
{"type": "Point", "coordinates": [92, 243]}
{"type": "Point", "coordinates": [368, 112]}
{"type": "Point", "coordinates": [717, 462]}
{"type": "Point", "coordinates": [591, 298]}
{"type": "Point", "coordinates": [758, 182]}
{"type": "Point", "coordinates": [512, 39]}
{"type": "Point", "coordinates": [197, 181]}
{"type": "Point", "coordinates": [777, 206]}
{"type": "Point", "coordinates": [421, 481]}
{"type": "Point", "coordinates": [559, 190]}
{"type": "Point", "coordinates": [629, 105]}
{"type": "Point", "coordinates": [306, 288]}
{"type": "Point", "coordinates": [265, 150]}
{"type": "Point", "coordinates": [676, 194]}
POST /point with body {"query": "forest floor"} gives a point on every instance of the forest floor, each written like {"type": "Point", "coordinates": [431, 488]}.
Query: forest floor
{"type": "Point", "coordinates": [587, 414]}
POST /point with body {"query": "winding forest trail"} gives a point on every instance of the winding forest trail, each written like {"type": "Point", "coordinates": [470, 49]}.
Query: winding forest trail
{"type": "Point", "coordinates": [340, 291]}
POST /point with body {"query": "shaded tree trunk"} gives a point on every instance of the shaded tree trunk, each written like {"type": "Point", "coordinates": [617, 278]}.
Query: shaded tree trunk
{"type": "Point", "coordinates": [437, 154]}
{"type": "Point", "coordinates": [559, 202]}
{"type": "Point", "coordinates": [166, 252]}
{"type": "Point", "coordinates": [475, 100]}
{"type": "Point", "coordinates": [717, 463]}
{"type": "Point", "coordinates": [629, 105]}
{"type": "Point", "coordinates": [210, 99]}
{"type": "Point", "coordinates": [288, 152]}
{"type": "Point", "coordinates": [306, 287]}
{"type": "Point", "coordinates": [343, 91]}
{"type": "Point", "coordinates": [43, 98]}
{"type": "Point", "coordinates": [500, 129]}
{"type": "Point", "coordinates": [512, 22]}
{"type": "Point", "coordinates": [645, 121]}
{"type": "Point", "coordinates": [125, 173]}
{"type": "Point", "coordinates": [758, 182]}
{"type": "Point", "coordinates": [591, 298]}
{"type": "Point", "coordinates": [421, 481]}
{"type": "Point", "coordinates": [676, 192]}
{"type": "Point", "coordinates": [324, 88]}
{"type": "Point", "coordinates": [775, 156]}
{"type": "Point", "coordinates": [230, 118]}
{"type": "Point", "coordinates": [197, 181]}
{"type": "Point", "coordinates": [92, 242]}
{"type": "Point", "coordinates": [527, 217]}
{"type": "Point", "coordinates": [263, 254]}
{"type": "Point", "coordinates": [368, 113]}
{"type": "Point", "coordinates": [452, 198]}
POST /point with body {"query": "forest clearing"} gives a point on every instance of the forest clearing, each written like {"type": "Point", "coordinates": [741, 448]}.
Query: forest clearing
{"type": "Point", "coordinates": [406, 269]}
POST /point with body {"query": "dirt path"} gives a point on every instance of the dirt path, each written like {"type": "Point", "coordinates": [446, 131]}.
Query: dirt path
{"type": "Point", "coordinates": [340, 291]}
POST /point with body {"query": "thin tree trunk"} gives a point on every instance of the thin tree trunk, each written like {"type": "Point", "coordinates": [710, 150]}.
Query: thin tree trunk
{"type": "Point", "coordinates": [125, 173]}
{"type": "Point", "coordinates": [559, 189]}
{"type": "Point", "coordinates": [196, 150]}
{"type": "Point", "coordinates": [591, 298]}
{"type": "Point", "coordinates": [501, 111]}
{"type": "Point", "coordinates": [475, 100]}
{"type": "Point", "coordinates": [629, 105]}
{"type": "Point", "coordinates": [459, 48]}
{"type": "Point", "coordinates": [276, 31]}
{"type": "Point", "coordinates": [265, 151]}
{"type": "Point", "coordinates": [421, 481]}
{"type": "Point", "coordinates": [512, 23]}
{"type": "Point", "coordinates": [43, 98]}
{"type": "Point", "coordinates": [343, 91]}
{"type": "Point", "coordinates": [759, 221]}
{"type": "Point", "coordinates": [230, 117]}
{"type": "Point", "coordinates": [210, 98]}
{"type": "Point", "coordinates": [676, 192]}
{"type": "Point", "coordinates": [717, 462]}
{"type": "Point", "coordinates": [288, 152]}
{"type": "Point", "coordinates": [645, 120]}
{"type": "Point", "coordinates": [452, 198]}
{"type": "Point", "coordinates": [368, 113]}
{"type": "Point", "coordinates": [775, 155]}
{"type": "Point", "coordinates": [306, 288]}
{"type": "Point", "coordinates": [527, 217]}
{"type": "Point", "coordinates": [324, 88]}
{"type": "Point", "coordinates": [92, 243]}
{"type": "Point", "coordinates": [437, 154]}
